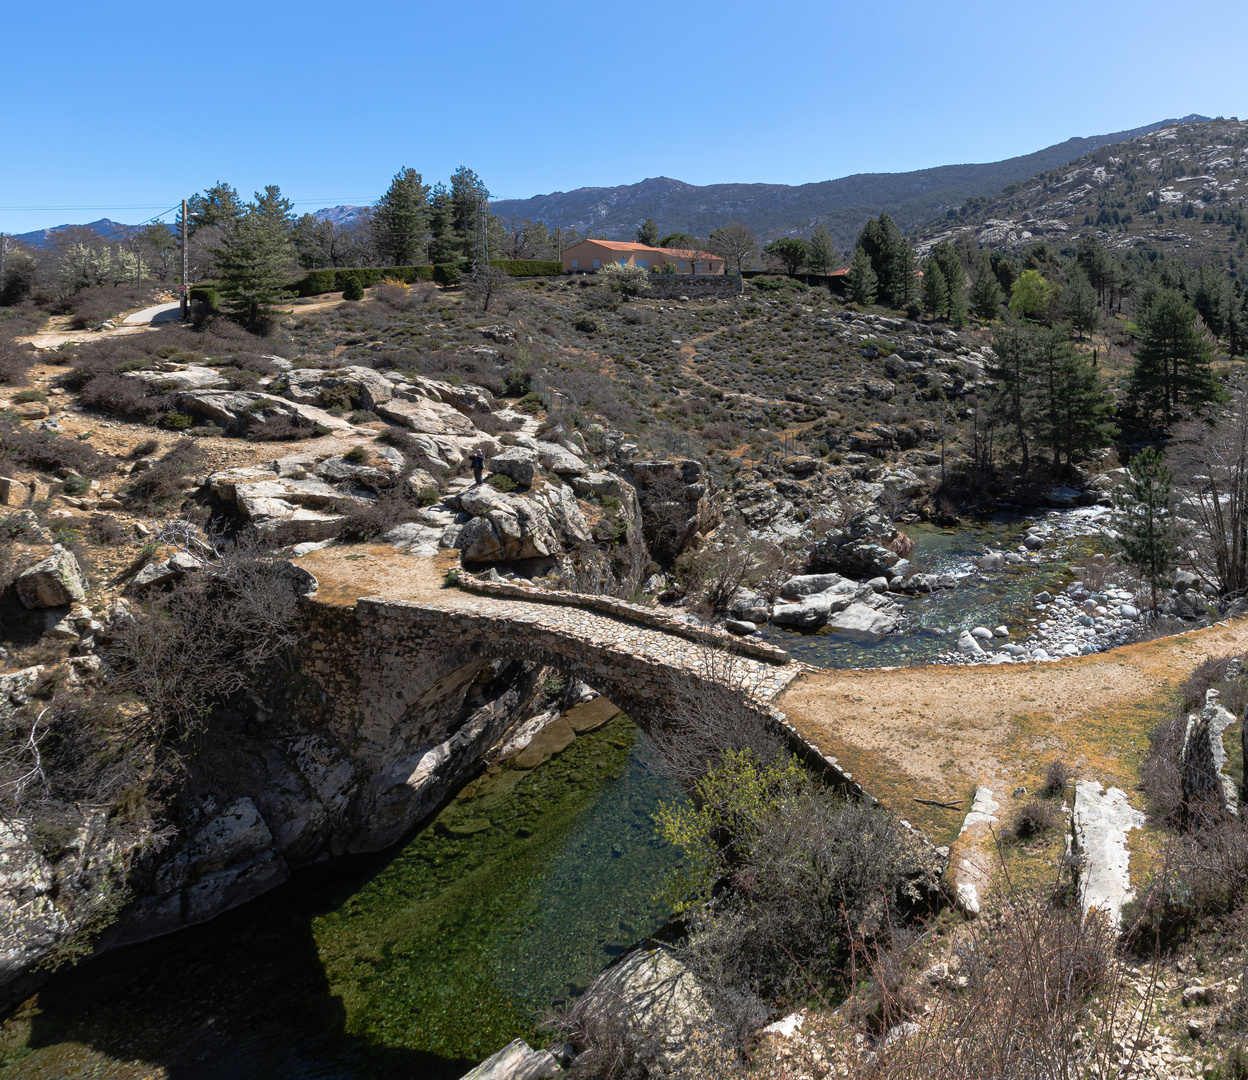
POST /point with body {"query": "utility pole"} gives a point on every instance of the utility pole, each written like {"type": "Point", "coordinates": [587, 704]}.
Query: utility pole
{"type": "Point", "coordinates": [1, 261]}
{"type": "Point", "coordinates": [185, 267]}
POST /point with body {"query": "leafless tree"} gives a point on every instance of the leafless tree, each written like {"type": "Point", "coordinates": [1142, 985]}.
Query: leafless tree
{"type": "Point", "coordinates": [488, 283]}
{"type": "Point", "coordinates": [737, 245]}
{"type": "Point", "coordinates": [1209, 459]}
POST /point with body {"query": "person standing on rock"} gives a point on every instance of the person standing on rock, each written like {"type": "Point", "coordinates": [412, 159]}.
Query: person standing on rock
{"type": "Point", "coordinates": [478, 465]}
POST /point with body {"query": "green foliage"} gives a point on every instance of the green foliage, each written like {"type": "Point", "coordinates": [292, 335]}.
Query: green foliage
{"type": "Point", "coordinates": [986, 296]}
{"type": "Point", "coordinates": [209, 297]}
{"type": "Point", "coordinates": [790, 251]}
{"type": "Point", "coordinates": [935, 289]}
{"type": "Point", "coordinates": [352, 289]}
{"type": "Point", "coordinates": [820, 251]}
{"type": "Point", "coordinates": [501, 482]}
{"type": "Point", "coordinates": [1144, 518]}
{"type": "Point", "coordinates": [1172, 361]}
{"type": "Point", "coordinates": [316, 282]}
{"type": "Point", "coordinates": [861, 281]}
{"type": "Point", "coordinates": [681, 241]}
{"type": "Point", "coordinates": [529, 267]}
{"type": "Point", "coordinates": [400, 219]}
{"type": "Point", "coordinates": [30, 395]}
{"type": "Point", "coordinates": [1031, 296]}
{"type": "Point", "coordinates": [448, 274]}
{"type": "Point", "coordinates": [357, 455]}
{"type": "Point", "coordinates": [177, 421]}
{"type": "Point", "coordinates": [783, 877]}
{"type": "Point", "coordinates": [1079, 306]}
{"type": "Point", "coordinates": [530, 403]}
{"type": "Point", "coordinates": [75, 485]}
{"type": "Point", "coordinates": [625, 279]}
{"type": "Point", "coordinates": [892, 260]}
{"type": "Point", "coordinates": [648, 233]}
{"type": "Point", "coordinates": [253, 261]}
{"type": "Point", "coordinates": [427, 496]}
{"type": "Point", "coordinates": [1047, 393]}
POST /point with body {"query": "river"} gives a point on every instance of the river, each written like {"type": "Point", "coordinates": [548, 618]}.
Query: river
{"type": "Point", "coordinates": [422, 960]}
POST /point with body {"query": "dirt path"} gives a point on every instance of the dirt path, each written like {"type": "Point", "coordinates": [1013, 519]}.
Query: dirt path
{"type": "Point", "coordinates": [937, 732]}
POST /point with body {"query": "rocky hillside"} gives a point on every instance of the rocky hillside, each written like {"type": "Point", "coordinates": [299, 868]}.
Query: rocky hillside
{"type": "Point", "coordinates": [1180, 189]}
{"type": "Point", "coordinates": [774, 210]}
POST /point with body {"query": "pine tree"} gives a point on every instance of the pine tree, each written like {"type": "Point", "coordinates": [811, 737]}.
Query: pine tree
{"type": "Point", "coordinates": [648, 233]}
{"type": "Point", "coordinates": [950, 263]}
{"type": "Point", "coordinates": [935, 289]}
{"type": "Point", "coordinates": [820, 251]}
{"type": "Point", "coordinates": [1072, 407]}
{"type": "Point", "coordinates": [1011, 405]}
{"type": "Point", "coordinates": [469, 199]}
{"type": "Point", "coordinates": [444, 245]}
{"type": "Point", "coordinates": [892, 260]}
{"type": "Point", "coordinates": [401, 220]}
{"type": "Point", "coordinates": [218, 207]}
{"type": "Point", "coordinates": [861, 278]}
{"type": "Point", "coordinates": [1079, 302]}
{"type": "Point", "coordinates": [1144, 518]}
{"type": "Point", "coordinates": [254, 266]}
{"type": "Point", "coordinates": [1172, 363]}
{"type": "Point", "coordinates": [986, 295]}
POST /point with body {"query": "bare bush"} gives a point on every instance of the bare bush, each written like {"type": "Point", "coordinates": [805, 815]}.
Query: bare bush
{"type": "Point", "coordinates": [209, 637]}
{"type": "Point", "coordinates": [1027, 1011]}
{"type": "Point", "coordinates": [378, 516]}
{"type": "Point", "coordinates": [1031, 819]}
{"type": "Point", "coordinates": [400, 296]}
{"type": "Point", "coordinates": [163, 483]}
{"type": "Point", "coordinates": [719, 566]}
{"type": "Point", "coordinates": [42, 450]}
{"type": "Point", "coordinates": [1056, 780]}
{"type": "Point", "coordinates": [128, 398]}
{"type": "Point", "coordinates": [15, 361]}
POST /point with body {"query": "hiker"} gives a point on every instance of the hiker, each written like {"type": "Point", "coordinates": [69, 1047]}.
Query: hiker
{"type": "Point", "coordinates": [478, 465]}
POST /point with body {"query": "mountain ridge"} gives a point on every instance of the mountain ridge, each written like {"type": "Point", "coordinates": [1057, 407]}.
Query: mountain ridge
{"type": "Point", "coordinates": [772, 210]}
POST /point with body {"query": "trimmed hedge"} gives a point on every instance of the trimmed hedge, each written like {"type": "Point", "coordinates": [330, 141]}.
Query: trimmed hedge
{"type": "Point", "coordinates": [529, 267]}
{"type": "Point", "coordinates": [324, 281]}
{"type": "Point", "coordinates": [207, 296]}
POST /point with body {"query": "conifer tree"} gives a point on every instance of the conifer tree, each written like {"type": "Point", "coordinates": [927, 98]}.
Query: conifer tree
{"type": "Point", "coordinates": [820, 251]}
{"type": "Point", "coordinates": [444, 245]}
{"type": "Point", "coordinates": [1079, 301]}
{"type": "Point", "coordinates": [218, 207]}
{"type": "Point", "coordinates": [986, 295]}
{"type": "Point", "coordinates": [935, 289]}
{"type": "Point", "coordinates": [648, 233]}
{"type": "Point", "coordinates": [861, 278]}
{"type": "Point", "coordinates": [1011, 404]}
{"type": "Point", "coordinates": [254, 266]}
{"type": "Point", "coordinates": [1072, 406]}
{"type": "Point", "coordinates": [401, 220]}
{"type": "Point", "coordinates": [892, 260]}
{"type": "Point", "coordinates": [1172, 363]}
{"type": "Point", "coordinates": [1144, 518]}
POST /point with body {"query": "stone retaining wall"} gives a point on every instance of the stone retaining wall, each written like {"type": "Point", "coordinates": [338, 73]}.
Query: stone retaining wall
{"type": "Point", "coordinates": [670, 286]}
{"type": "Point", "coordinates": [621, 609]}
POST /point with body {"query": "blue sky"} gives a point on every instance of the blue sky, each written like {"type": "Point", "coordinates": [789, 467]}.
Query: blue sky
{"type": "Point", "coordinates": [329, 100]}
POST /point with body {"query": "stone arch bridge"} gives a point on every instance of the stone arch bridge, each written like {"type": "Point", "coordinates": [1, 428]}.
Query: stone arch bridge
{"type": "Point", "coordinates": [403, 688]}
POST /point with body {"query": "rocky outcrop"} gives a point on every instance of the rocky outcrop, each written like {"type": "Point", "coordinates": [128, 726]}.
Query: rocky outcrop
{"type": "Point", "coordinates": [851, 609]}
{"type": "Point", "coordinates": [516, 1061]}
{"type": "Point", "coordinates": [1207, 787]}
{"type": "Point", "coordinates": [52, 582]}
{"type": "Point", "coordinates": [677, 499]}
{"type": "Point", "coordinates": [857, 549]}
{"type": "Point", "coordinates": [1098, 829]}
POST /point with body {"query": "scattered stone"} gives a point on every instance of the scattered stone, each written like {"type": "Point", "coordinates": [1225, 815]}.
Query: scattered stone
{"type": "Point", "coordinates": [1001, 631]}
{"type": "Point", "coordinates": [1099, 826]}
{"type": "Point", "coordinates": [982, 633]}
{"type": "Point", "coordinates": [740, 626]}
{"type": "Point", "coordinates": [516, 1061]}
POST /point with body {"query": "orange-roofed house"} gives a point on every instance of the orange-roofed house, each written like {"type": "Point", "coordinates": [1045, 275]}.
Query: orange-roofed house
{"type": "Point", "coordinates": [591, 255]}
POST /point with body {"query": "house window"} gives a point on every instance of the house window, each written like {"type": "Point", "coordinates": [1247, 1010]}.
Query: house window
{"type": "Point", "coordinates": [642, 263]}
{"type": "Point", "coordinates": [623, 262]}
{"type": "Point", "coordinates": [574, 266]}
{"type": "Point", "coordinates": [595, 264]}
{"type": "Point", "coordinates": [682, 264]}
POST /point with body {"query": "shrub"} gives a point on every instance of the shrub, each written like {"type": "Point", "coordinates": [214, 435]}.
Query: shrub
{"type": "Point", "coordinates": [208, 297]}
{"type": "Point", "coordinates": [177, 421]}
{"type": "Point", "coordinates": [105, 529]}
{"type": "Point", "coordinates": [30, 395]}
{"type": "Point", "coordinates": [1056, 780]}
{"type": "Point", "coordinates": [357, 455]}
{"type": "Point", "coordinates": [447, 274]}
{"type": "Point", "coordinates": [427, 496]}
{"type": "Point", "coordinates": [529, 267]}
{"type": "Point", "coordinates": [146, 448]}
{"type": "Point", "coordinates": [378, 516]}
{"type": "Point", "coordinates": [15, 360]}
{"type": "Point", "coordinates": [324, 281]}
{"type": "Point", "coordinates": [47, 452]}
{"type": "Point", "coordinates": [1032, 819]}
{"type": "Point", "coordinates": [810, 874]}
{"type": "Point", "coordinates": [530, 403]}
{"type": "Point", "coordinates": [500, 482]}
{"type": "Point", "coordinates": [352, 289]}
{"type": "Point", "coordinates": [162, 483]}
{"type": "Point", "coordinates": [587, 324]}
{"type": "Point", "coordinates": [75, 485]}
{"type": "Point", "coordinates": [131, 399]}
{"type": "Point", "coordinates": [283, 428]}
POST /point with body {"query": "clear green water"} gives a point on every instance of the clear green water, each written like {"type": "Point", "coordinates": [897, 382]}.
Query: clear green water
{"type": "Point", "coordinates": [413, 964]}
{"type": "Point", "coordinates": [981, 599]}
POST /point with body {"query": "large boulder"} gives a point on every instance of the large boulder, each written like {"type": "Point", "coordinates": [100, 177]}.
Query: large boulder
{"type": "Point", "coordinates": [559, 460]}
{"type": "Point", "coordinates": [54, 582]}
{"type": "Point", "coordinates": [425, 417]}
{"type": "Point", "coordinates": [677, 503]}
{"type": "Point", "coordinates": [809, 584]}
{"type": "Point", "coordinates": [517, 462]}
{"type": "Point", "coordinates": [806, 614]}
{"type": "Point", "coordinates": [861, 623]}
